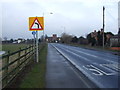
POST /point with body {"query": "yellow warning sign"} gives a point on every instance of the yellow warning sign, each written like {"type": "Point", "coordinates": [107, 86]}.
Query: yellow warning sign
{"type": "Point", "coordinates": [36, 23]}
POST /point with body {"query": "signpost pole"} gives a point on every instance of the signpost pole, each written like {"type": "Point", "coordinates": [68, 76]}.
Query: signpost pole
{"type": "Point", "coordinates": [36, 24]}
{"type": "Point", "coordinates": [37, 46]}
{"type": "Point", "coordinates": [34, 45]}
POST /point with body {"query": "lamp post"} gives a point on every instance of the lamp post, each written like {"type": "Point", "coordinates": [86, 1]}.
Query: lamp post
{"type": "Point", "coordinates": [64, 28]}
{"type": "Point", "coordinates": [44, 28]}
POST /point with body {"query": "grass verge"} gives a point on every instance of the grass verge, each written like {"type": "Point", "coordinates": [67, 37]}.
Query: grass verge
{"type": "Point", "coordinates": [36, 77]}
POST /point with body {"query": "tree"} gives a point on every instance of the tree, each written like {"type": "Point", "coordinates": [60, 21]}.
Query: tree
{"type": "Point", "coordinates": [89, 38]}
{"type": "Point", "coordinates": [100, 38]}
{"type": "Point", "coordinates": [11, 40]}
{"type": "Point", "coordinates": [110, 33]}
{"type": "Point", "coordinates": [5, 38]}
{"type": "Point", "coordinates": [66, 38]}
{"type": "Point", "coordinates": [82, 40]}
{"type": "Point", "coordinates": [39, 40]}
{"type": "Point", "coordinates": [74, 39]}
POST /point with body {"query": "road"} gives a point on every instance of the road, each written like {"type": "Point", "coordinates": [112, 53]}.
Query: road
{"type": "Point", "coordinates": [100, 67]}
{"type": "Point", "coordinates": [61, 74]}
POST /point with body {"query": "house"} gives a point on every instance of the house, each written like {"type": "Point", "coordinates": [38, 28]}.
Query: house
{"type": "Point", "coordinates": [48, 39]}
{"type": "Point", "coordinates": [115, 41]}
{"type": "Point", "coordinates": [19, 40]}
{"type": "Point", "coordinates": [54, 39]}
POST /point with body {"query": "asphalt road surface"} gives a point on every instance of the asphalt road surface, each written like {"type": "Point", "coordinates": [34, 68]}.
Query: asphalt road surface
{"type": "Point", "coordinates": [102, 68]}
{"type": "Point", "coordinates": [61, 74]}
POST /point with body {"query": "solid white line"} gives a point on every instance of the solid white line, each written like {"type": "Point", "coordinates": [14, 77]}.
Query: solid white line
{"type": "Point", "coordinates": [72, 68]}
{"type": "Point", "coordinates": [80, 69]}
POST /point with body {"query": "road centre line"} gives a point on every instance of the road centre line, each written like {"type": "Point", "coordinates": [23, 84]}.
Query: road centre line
{"type": "Point", "coordinates": [89, 50]}
{"type": "Point", "coordinates": [91, 55]}
{"type": "Point", "coordinates": [79, 56]}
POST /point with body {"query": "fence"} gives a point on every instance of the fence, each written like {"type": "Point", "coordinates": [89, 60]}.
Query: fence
{"type": "Point", "coordinates": [13, 63]}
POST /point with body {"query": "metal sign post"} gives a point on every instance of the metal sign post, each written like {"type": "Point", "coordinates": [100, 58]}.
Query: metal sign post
{"type": "Point", "coordinates": [34, 33]}
{"type": "Point", "coordinates": [36, 24]}
{"type": "Point", "coordinates": [36, 43]}
{"type": "Point", "coordinates": [37, 46]}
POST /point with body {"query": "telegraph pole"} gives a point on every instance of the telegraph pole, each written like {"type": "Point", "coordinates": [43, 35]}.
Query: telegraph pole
{"type": "Point", "coordinates": [103, 24]}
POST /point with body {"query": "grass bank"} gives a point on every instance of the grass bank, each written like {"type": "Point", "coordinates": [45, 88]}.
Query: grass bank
{"type": "Point", "coordinates": [36, 77]}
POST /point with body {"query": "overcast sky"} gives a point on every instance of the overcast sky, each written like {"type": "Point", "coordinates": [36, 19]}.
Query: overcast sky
{"type": "Point", "coordinates": [75, 17]}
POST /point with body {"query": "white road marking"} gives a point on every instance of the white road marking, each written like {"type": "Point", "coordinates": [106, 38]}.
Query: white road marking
{"type": "Point", "coordinates": [111, 66]}
{"type": "Point", "coordinates": [78, 55]}
{"type": "Point", "coordinates": [80, 68]}
{"type": "Point", "coordinates": [96, 69]}
{"type": "Point", "coordinates": [92, 55]}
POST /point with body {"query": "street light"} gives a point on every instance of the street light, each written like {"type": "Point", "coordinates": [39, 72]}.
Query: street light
{"type": "Point", "coordinates": [64, 28]}
{"type": "Point", "coordinates": [44, 28]}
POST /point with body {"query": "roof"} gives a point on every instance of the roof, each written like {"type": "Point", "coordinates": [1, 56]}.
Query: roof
{"type": "Point", "coordinates": [115, 36]}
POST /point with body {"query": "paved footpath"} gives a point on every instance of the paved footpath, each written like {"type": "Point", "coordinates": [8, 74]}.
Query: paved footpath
{"type": "Point", "coordinates": [59, 72]}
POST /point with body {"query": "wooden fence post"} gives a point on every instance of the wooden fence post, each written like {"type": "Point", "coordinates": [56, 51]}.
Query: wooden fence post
{"type": "Point", "coordinates": [18, 62]}
{"type": "Point", "coordinates": [25, 56]}
{"type": "Point", "coordinates": [33, 52]}
{"type": "Point", "coordinates": [6, 69]}
{"type": "Point", "coordinates": [29, 49]}
{"type": "Point", "coordinates": [29, 53]}
{"type": "Point", "coordinates": [32, 48]}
